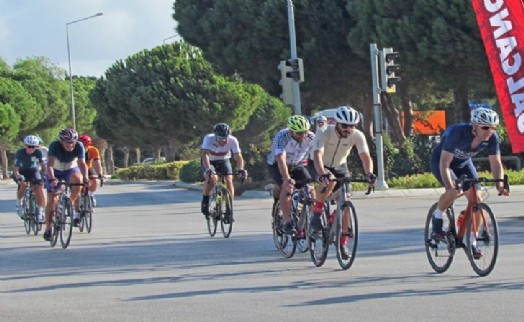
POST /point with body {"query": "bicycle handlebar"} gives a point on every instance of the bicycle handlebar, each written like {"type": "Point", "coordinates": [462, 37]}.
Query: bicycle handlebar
{"type": "Point", "coordinates": [350, 180]}
{"type": "Point", "coordinates": [464, 178]}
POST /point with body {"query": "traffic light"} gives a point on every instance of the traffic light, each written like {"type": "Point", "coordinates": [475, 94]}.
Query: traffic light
{"type": "Point", "coordinates": [286, 83]}
{"type": "Point", "coordinates": [297, 69]}
{"type": "Point", "coordinates": [388, 70]}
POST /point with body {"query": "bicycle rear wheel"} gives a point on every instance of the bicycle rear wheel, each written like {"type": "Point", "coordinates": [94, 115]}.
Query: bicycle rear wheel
{"type": "Point", "coordinates": [319, 240]}
{"type": "Point", "coordinates": [55, 228]}
{"type": "Point", "coordinates": [440, 253]}
{"type": "Point", "coordinates": [284, 243]}
{"type": "Point", "coordinates": [66, 223]}
{"type": "Point", "coordinates": [352, 236]}
{"type": "Point", "coordinates": [302, 230]}
{"type": "Point", "coordinates": [226, 213]}
{"type": "Point", "coordinates": [486, 239]}
{"type": "Point", "coordinates": [86, 213]}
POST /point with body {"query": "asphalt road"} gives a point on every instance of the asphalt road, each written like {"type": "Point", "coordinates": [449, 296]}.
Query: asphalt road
{"type": "Point", "coordinates": [149, 258]}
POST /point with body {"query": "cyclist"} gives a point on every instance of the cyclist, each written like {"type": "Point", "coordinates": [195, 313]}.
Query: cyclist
{"type": "Point", "coordinates": [331, 149]}
{"type": "Point", "coordinates": [287, 163]}
{"type": "Point", "coordinates": [27, 168]}
{"type": "Point", "coordinates": [43, 148]}
{"type": "Point", "coordinates": [320, 123]}
{"type": "Point", "coordinates": [451, 159]}
{"type": "Point", "coordinates": [217, 148]}
{"type": "Point", "coordinates": [65, 161]}
{"type": "Point", "coordinates": [94, 165]}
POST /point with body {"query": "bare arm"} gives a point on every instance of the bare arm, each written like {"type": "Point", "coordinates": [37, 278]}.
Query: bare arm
{"type": "Point", "coordinates": [497, 170]}
{"type": "Point", "coordinates": [240, 161]}
{"type": "Point", "coordinates": [445, 171]}
{"type": "Point", "coordinates": [367, 163]}
{"type": "Point", "coordinates": [205, 159]}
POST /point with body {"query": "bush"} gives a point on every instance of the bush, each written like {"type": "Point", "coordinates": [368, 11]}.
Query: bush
{"type": "Point", "coordinates": [154, 171]}
{"type": "Point", "coordinates": [191, 172]}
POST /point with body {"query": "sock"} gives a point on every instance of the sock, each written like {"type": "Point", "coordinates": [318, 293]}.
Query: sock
{"type": "Point", "coordinates": [438, 213]}
{"type": "Point", "coordinates": [18, 202]}
{"type": "Point", "coordinates": [205, 200]}
{"type": "Point", "coordinates": [344, 240]}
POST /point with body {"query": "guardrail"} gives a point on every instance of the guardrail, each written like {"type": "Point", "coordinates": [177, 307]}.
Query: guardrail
{"type": "Point", "coordinates": [512, 158]}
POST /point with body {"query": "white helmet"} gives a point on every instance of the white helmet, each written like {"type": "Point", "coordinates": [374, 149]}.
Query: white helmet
{"type": "Point", "coordinates": [321, 118]}
{"type": "Point", "coordinates": [32, 140]}
{"type": "Point", "coordinates": [484, 116]}
{"type": "Point", "coordinates": [347, 115]}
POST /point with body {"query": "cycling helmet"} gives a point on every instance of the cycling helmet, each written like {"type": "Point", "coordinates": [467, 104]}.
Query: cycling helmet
{"type": "Point", "coordinates": [68, 135]}
{"type": "Point", "coordinates": [31, 140]}
{"type": "Point", "coordinates": [222, 130]}
{"type": "Point", "coordinates": [347, 115]}
{"type": "Point", "coordinates": [321, 118]}
{"type": "Point", "coordinates": [85, 139]}
{"type": "Point", "coordinates": [484, 116]}
{"type": "Point", "coordinates": [298, 123]}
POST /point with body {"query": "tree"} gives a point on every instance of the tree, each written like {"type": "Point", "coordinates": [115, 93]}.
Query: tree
{"type": "Point", "coordinates": [170, 93]}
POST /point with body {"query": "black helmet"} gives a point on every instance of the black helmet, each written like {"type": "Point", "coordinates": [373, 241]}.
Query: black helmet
{"type": "Point", "coordinates": [68, 135]}
{"type": "Point", "coordinates": [222, 130]}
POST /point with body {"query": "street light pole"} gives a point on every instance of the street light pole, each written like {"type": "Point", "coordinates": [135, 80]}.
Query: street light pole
{"type": "Point", "coordinates": [73, 118]}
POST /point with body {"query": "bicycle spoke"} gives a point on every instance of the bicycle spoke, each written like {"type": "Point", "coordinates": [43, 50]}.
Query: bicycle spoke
{"type": "Point", "coordinates": [440, 253]}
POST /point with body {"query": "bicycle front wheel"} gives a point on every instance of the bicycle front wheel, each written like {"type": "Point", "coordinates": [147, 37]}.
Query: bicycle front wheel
{"type": "Point", "coordinates": [440, 253]}
{"type": "Point", "coordinates": [347, 241]}
{"type": "Point", "coordinates": [86, 214]}
{"type": "Point", "coordinates": [55, 228]}
{"type": "Point", "coordinates": [302, 229]}
{"type": "Point", "coordinates": [214, 214]}
{"type": "Point", "coordinates": [226, 213]}
{"type": "Point", "coordinates": [483, 235]}
{"type": "Point", "coordinates": [66, 223]}
{"type": "Point", "coordinates": [284, 243]}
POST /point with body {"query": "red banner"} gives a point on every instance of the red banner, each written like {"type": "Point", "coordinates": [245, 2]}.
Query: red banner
{"type": "Point", "coordinates": [501, 24]}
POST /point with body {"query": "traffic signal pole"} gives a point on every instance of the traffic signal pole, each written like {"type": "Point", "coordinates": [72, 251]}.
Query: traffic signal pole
{"type": "Point", "coordinates": [377, 111]}
{"type": "Point", "coordinates": [293, 47]}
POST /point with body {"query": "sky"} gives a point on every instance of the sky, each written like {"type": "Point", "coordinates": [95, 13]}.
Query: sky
{"type": "Point", "coordinates": [30, 28]}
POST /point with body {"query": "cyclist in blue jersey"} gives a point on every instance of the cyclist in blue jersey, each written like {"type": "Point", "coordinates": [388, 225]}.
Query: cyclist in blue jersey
{"type": "Point", "coordinates": [29, 162]}
{"type": "Point", "coordinates": [65, 161]}
{"type": "Point", "coordinates": [451, 159]}
{"type": "Point", "coordinates": [287, 162]}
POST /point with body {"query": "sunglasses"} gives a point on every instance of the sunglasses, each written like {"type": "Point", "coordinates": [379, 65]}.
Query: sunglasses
{"type": "Point", "coordinates": [30, 146]}
{"type": "Point", "coordinates": [347, 126]}
{"type": "Point", "coordinates": [301, 133]}
{"type": "Point", "coordinates": [486, 128]}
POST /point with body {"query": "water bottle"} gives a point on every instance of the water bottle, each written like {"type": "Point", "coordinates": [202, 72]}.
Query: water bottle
{"type": "Point", "coordinates": [460, 218]}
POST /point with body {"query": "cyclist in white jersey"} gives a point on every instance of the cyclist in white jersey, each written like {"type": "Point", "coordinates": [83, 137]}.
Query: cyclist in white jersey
{"type": "Point", "coordinates": [287, 162]}
{"type": "Point", "coordinates": [216, 152]}
{"type": "Point", "coordinates": [331, 149]}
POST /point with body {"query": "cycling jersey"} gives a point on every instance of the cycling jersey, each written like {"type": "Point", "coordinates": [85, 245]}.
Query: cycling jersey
{"type": "Point", "coordinates": [65, 160]}
{"type": "Point", "coordinates": [28, 161]}
{"type": "Point", "coordinates": [296, 152]}
{"type": "Point", "coordinates": [218, 152]}
{"type": "Point", "coordinates": [92, 153]}
{"type": "Point", "coordinates": [457, 140]}
{"type": "Point", "coordinates": [336, 149]}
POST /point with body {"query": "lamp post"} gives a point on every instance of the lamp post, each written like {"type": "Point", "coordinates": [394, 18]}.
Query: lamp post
{"type": "Point", "coordinates": [69, 60]}
{"type": "Point", "coordinates": [164, 40]}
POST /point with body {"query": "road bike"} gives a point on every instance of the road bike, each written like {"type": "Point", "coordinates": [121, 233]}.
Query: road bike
{"type": "Point", "coordinates": [62, 219]}
{"type": "Point", "coordinates": [301, 210]}
{"type": "Point", "coordinates": [332, 232]}
{"type": "Point", "coordinates": [220, 208]}
{"type": "Point", "coordinates": [478, 228]}
{"type": "Point", "coordinates": [30, 208]}
{"type": "Point", "coordinates": [85, 208]}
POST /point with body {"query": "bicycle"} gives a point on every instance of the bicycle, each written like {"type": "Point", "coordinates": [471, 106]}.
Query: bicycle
{"type": "Point", "coordinates": [62, 220]}
{"type": "Point", "coordinates": [331, 232]}
{"type": "Point", "coordinates": [478, 224]}
{"type": "Point", "coordinates": [301, 203]}
{"type": "Point", "coordinates": [31, 222]}
{"type": "Point", "coordinates": [85, 207]}
{"type": "Point", "coordinates": [220, 209]}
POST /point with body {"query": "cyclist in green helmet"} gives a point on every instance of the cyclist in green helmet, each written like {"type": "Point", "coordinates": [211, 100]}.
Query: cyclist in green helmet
{"type": "Point", "coordinates": [287, 162]}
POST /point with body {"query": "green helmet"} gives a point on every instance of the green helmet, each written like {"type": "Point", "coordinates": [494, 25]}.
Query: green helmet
{"type": "Point", "coordinates": [298, 123]}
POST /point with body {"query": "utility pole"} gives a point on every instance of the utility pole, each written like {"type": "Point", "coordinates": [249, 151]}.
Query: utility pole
{"type": "Point", "coordinates": [293, 47]}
